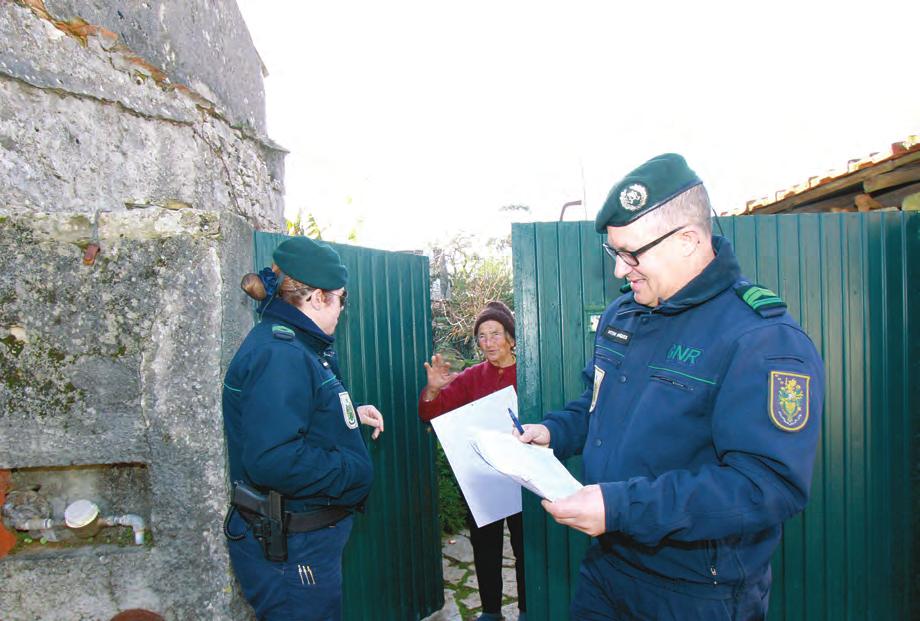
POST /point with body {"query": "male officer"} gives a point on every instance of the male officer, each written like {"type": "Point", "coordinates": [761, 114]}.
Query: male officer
{"type": "Point", "coordinates": [699, 423]}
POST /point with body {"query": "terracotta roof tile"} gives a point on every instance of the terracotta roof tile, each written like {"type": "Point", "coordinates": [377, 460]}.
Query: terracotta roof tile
{"type": "Point", "coordinates": [896, 150]}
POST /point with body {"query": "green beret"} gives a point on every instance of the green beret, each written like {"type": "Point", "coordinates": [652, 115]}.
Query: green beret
{"type": "Point", "coordinates": [646, 188]}
{"type": "Point", "coordinates": [311, 263]}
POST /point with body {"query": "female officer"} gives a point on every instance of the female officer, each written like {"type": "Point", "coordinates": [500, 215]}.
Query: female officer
{"type": "Point", "coordinates": [298, 461]}
{"type": "Point", "coordinates": [494, 331]}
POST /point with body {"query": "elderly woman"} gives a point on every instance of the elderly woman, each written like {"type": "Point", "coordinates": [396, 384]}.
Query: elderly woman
{"type": "Point", "coordinates": [446, 391]}
{"type": "Point", "coordinates": [299, 464]}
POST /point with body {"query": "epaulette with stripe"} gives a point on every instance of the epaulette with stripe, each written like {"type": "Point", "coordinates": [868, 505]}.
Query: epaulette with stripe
{"type": "Point", "coordinates": [763, 301]}
{"type": "Point", "coordinates": [282, 332]}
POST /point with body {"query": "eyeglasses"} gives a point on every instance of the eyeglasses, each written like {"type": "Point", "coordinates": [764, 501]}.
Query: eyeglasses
{"type": "Point", "coordinates": [631, 257]}
{"type": "Point", "coordinates": [342, 296]}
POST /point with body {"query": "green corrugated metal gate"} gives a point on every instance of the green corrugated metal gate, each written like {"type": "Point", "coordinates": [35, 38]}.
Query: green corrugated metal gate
{"type": "Point", "coordinates": [853, 282]}
{"type": "Point", "coordinates": [393, 561]}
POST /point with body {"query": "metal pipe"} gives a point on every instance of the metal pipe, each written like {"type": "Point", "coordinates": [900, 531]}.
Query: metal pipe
{"type": "Point", "coordinates": [566, 206]}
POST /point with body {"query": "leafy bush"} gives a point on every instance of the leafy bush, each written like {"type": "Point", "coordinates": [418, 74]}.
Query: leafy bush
{"type": "Point", "coordinates": [451, 506]}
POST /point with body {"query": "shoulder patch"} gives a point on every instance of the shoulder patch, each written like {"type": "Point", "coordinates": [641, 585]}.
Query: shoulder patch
{"type": "Point", "coordinates": [763, 301]}
{"type": "Point", "coordinates": [348, 410]}
{"type": "Point", "coordinates": [789, 400]}
{"type": "Point", "coordinates": [282, 332]}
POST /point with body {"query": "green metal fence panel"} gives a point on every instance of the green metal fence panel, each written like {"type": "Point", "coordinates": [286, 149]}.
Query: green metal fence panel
{"type": "Point", "coordinates": [853, 282]}
{"type": "Point", "coordinates": [392, 564]}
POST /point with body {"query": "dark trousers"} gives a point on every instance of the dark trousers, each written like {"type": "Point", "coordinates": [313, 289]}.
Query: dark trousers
{"type": "Point", "coordinates": [488, 542]}
{"type": "Point", "coordinates": [604, 593]}
{"type": "Point", "coordinates": [307, 587]}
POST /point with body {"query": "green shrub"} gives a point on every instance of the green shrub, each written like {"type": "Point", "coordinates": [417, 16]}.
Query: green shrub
{"type": "Point", "coordinates": [451, 505]}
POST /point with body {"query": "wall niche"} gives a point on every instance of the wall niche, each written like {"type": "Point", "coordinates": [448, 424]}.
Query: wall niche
{"type": "Point", "coordinates": [64, 510]}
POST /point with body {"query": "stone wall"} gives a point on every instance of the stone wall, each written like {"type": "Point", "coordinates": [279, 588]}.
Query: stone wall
{"type": "Point", "coordinates": [87, 124]}
{"type": "Point", "coordinates": [137, 127]}
{"type": "Point", "coordinates": [119, 362]}
{"type": "Point", "coordinates": [200, 43]}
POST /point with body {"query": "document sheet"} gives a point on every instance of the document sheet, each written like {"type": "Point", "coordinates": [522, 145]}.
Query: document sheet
{"type": "Point", "coordinates": [534, 467]}
{"type": "Point", "coordinates": [490, 495]}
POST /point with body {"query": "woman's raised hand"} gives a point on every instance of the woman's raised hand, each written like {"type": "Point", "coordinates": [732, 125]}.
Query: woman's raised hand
{"type": "Point", "coordinates": [439, 376]}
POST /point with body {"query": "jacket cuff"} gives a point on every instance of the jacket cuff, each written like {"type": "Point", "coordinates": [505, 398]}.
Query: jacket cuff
{"type": "Point", "coordinates": [616, 503]}
{"type": "Point", "coordinates": [556, 441]}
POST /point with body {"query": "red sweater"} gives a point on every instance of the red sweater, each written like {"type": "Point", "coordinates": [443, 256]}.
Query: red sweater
{"type": "Point", "coordinates": [473, 383]}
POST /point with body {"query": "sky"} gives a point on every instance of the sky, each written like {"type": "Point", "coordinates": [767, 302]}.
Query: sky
{"type": "Point", "coordinates": [411, 121]}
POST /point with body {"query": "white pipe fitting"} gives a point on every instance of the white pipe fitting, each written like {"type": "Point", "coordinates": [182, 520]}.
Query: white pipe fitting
{"type": "Point", "coordinates": [136, 523]}
{"type": "Point", "coordinates": [34, 524]}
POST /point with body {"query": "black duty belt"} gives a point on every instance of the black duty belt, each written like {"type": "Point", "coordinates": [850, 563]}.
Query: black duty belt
{"type": "Point", "coordinates": [252, 505]}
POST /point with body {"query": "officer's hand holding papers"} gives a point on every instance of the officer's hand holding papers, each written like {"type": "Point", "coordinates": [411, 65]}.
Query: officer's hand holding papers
{"type": "Point", "coordinates": [534, 467]}
{"type": "Point", "coordinates": [491, 483]}
{"type": "Point", "coordinates": [584, 510]}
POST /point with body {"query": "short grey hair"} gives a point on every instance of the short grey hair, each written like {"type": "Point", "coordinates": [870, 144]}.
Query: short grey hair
{"type": "Point", "coordinates": [690, 207]}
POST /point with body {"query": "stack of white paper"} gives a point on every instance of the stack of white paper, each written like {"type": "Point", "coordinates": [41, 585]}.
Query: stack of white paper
{"type": "Point", "coordinates": [534, 467]}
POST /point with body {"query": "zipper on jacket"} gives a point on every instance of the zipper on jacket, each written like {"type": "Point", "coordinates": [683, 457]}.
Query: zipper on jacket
{"type": "Point", "coordinates": [672, 382]}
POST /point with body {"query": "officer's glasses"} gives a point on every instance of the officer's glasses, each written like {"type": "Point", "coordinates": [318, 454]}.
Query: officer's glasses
{"type": "Point", "coordinates": [631, 257]}
{"type": "Point", "coordinates": [342, 296]}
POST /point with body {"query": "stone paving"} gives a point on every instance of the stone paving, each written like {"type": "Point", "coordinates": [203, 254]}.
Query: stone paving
{"type": "Point", "coordinates": [461, 591]}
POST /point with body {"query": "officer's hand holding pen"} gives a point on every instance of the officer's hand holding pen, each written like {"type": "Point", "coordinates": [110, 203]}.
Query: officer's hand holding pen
{"type": "Point", "coordinates": [371, 416]}
{"type": "Point", "coordinates": [533, 434]}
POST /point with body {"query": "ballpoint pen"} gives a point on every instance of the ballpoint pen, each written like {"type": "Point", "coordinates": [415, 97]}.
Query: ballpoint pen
{"type": "Point", "coordinates": [517, 423]}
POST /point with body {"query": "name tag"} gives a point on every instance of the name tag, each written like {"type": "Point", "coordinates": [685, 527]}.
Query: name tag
{"type": "Point", "coordinates": [617, 335]}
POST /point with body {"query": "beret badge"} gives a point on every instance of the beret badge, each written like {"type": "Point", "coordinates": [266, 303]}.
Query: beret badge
{"type": "Point", "coordinates": [634, 196]}
{"type": "Point", "coordinates": [645, 189]}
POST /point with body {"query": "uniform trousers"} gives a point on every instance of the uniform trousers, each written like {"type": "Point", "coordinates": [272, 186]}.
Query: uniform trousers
{"type": "Point", "coordinates": [605, 593]}
{"type": "Point", "coordinates": [306, 587]}
{"type": "Point", "coordinates": [488, 543]}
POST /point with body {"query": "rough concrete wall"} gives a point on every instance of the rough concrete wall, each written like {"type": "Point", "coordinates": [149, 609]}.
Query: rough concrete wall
{"type": "Point", "coordinates": [138, 125]}
{"type": "Point", "coordinates": [115, 362]}
{"type": "Point", "coordinates": [202, 43]}
{"type": "Point", "coordinates": [87, 124]}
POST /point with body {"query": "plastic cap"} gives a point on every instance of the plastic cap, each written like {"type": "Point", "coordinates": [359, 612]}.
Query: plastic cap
{"type": "Point", "coordinates": [80, 513]}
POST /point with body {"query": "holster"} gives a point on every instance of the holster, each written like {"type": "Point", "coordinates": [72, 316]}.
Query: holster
{"type": "Point", "coordinates": [267, 518]}
{"type": "Point", "coordinates": [274, 529]}
{"type": "Point", "coordinates": [271, 523]}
